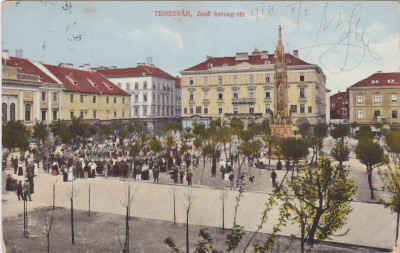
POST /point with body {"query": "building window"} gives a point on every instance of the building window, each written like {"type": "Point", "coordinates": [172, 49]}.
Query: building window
{"type": "Point", "coordinates": [115, 115]}
{"type": "Point", "coordinates": [54, 115]}
{"type": "Point", "coordinates": [251, 108]}
{"type": "Point", "coordinates": [71, 98]}
{"type": "Point", "coordinates": [360, 114]}
{"type": "Point", "coordinates": [191, 96]}
{"type": "Point", "coordinates": [94, 99]}
{"type": "Point", "coordinates": [136, 111]}
{"type": "Point", "coordinates": [394, 114]}
{"type": "Point", "coordinates": [251, 93]}
{"type": "Point", "coordinates": [55, 95]}
{"type": "Point", "coordinates": [145, 85]}
{"type": "Point", "coordinates": [191, 109]}
{"type": "Point", "coordinates": [302, 92]}
{"type": "Point", "coordinates": [220, 96]}
{"type": "Point", "coordinates": [71, 114]}
{"type": "Point", "coordinates": [82, 114]}
{"type": "Point", "coordinates": [107, 100]}
{"type": "Point", "coordinates": [12, 112]}
{"type": "Point", "coordinates": [205, 109]}
{"type": "Point", "coordinates": [267, 79]}
{"type": "Point", "coordinates": [219, 80]}
{"type": "Point", "coordinates": [377, 98]}
{"type": "Point", "coordinates": [333, 105]}
{"type": "Point", "coordinates": [123, 100]}
{"type": "Point", "coordinates": [94, 114]}
{"type": "Point", "coordinates": [198, 109]}
{"type": "Point", "coordinates": [206, 94]}
{"type": "Point", "coordinates": [27, 112]}
{"type": "Point", "coordinates": [81, 98]}
{"type": "Point", "coordinates": [293, 108]}
{"type": "Point", "coordinates": [251, 79]}
{"type": "Point", "coordinates": [144, 110]}
{"type": "Point", "coordinates": [344, 111]}
{"type": "Point", "coordinates": [136, 86]}
{"type": "Point", "coordinates": [115, 100]}
{"type": "Point", "coordinates": [377, 113]}
{"type": "Point", "coordinates": [267, 94]}
{"type": "Point", "coordinates": [310, 109]}
{"type": "Point", "coordinates": [235, 95]}
{"type": "Point", "coordinates": [191, 81]}
{"type": "Point", "coordinates": [145, 97]}
{"type": "Point", "coordinates": [301, 77]}
{"type": "Point", "coordinates": [128, 86]}
{"type": "Point", "coordinates": [154, 97]}
{"type": "Point", "coordinates": [220, 109]}
{"type": "Point", "coordinates": [185, 110]}
{"type": "Point", "coordinates": [267, 108]}
{"type": "Point", "coordinates": [44, 115]}
{"type": "Point", "coordinates": [394, 98]}
{"type": "Point", "coordinates": [360, 98]}
{"type": "Point", "coordinates": [43, 96]}
{"type": "Point", "coordinates": [302, 108]}
{"type": "Point", "coordinates": [167, 99]}
{"type": "Point", "coordinates": [137, 98]}
{"type": "Point", "coordinates": [235, 109]}
{"type": "Point", "coordinates": [235, 79]}
{"type": "Point", "coordinates": [4, 112]}
{"type": "Point", "coordinates": [205, 80]}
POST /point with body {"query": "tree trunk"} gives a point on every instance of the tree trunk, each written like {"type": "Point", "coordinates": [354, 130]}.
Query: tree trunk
{"type": "Point", "coordinates": [187, 231]}
{"type": "Point", "coordinates": [54, 195]}
{"type": "Point", "coordinates": [48, 242]}
{"type": "Point", "coordinates": [370, 183]}
{"type": "Point", "coordinates": [302, 241]}
{"type": "Point", "coordinates": [89, 201]}
{"type": "Point", "coordinates": [127, 230]}
{"type": "Point", "coordinates": [397, 228]}
{"type": "Point", "coordinates": [72, 220]}
{"type": "Point", "coordinates": [311, 234]}
{"type": "Point", "coordinates": [174, 209]}
{"type": "Point", "coordinates": [223, 216]}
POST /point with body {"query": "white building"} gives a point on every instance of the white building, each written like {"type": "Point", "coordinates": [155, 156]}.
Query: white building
{"type": "Point", "coordinates": [153, 91]}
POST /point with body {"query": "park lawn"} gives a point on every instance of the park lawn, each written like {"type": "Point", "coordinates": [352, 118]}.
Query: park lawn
{"type": "Point", "coordinates": [99, 233]}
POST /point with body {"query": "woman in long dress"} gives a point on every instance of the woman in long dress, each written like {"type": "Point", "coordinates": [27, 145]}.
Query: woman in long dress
{"type": "Point", "coordinates": [70, 174]}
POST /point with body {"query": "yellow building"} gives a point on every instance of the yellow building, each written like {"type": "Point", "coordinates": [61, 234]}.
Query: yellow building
{"type": "Point", "coordinates": [376, 99]}
{"type": "Point", "coordinates": [90, 95]}
{"type": "Point", "coordinates": [28, 92]}
{"type": "Point", "coordinates": [243, 87]}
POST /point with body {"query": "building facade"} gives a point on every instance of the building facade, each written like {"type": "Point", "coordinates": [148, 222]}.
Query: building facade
{"type": "Point", "coordinates": [89, 95]}
{"type": "Point", "coordinates": [243, 87]}
{"type": "Point", "coordinates": [153, 91]}
{"type": "Point", "coordinates": [339, 107]}
{"type": "Point", "coordinates": [376, 99]}
{"type": "Point", "coordinates": [28, 93]}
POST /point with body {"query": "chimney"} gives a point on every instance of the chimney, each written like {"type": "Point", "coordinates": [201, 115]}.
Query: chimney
{"type": "Point", "coordinates": [69, 65]}
{"type": "Point", "coordinates": [208, 57]}
{"type": "Point", "coordinates": [264, 54]}
{"type": "Point", "coordinates": [87, 67]}
{"type": "Point", "coordinates": [113, 67]}
{"type": "Point", "coordinates": [5, 54]}
{"type": "Point", "coordinates": [141, 64]}
{"type": "Point", "coordinates": [80, 68]}
{"type": "Point", "coordinates": [242, 56]}
{"type": "Point", "coordinates": [296, 53]}
{"type": "Point", "coordinates": [379, 71]}
{"type": "Point", "coordinates": [61, 65]}
{"type": "Point", "coordinates": [152, 65]}
{"type": "Point", "coordinates": [256, 52]}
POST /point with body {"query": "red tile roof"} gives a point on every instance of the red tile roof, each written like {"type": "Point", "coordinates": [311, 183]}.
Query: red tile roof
{"type": "Point", "coordinates": [343, 95]}
{"type": "Point", "coordinates": [137, 71]}
{"type": "Point", "coordinates": [252, 59]}
{"type": "Point", "coordinates": [379, 80]}
{"type": "Point", "coordinates": [85, 81]}
{"type": "Point", "coordinates": [24, 66]}
{"type": "Point", "coordinates": [177, 82]}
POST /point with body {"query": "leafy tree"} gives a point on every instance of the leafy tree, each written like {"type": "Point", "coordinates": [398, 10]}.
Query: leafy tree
{"type": "Point", "coordinates": [105, 130]}
{"type": "Point", "coordinates": [320, 201]}
{"type": "Point", "coordinates": [121, 130]}
{"type": "Point", "coordinates": [340, 153]}
{"type": "Point", "coordinates": [155, 145]}
{"type": "Point", "coordinates": [249, 149]}
{"type": "Point", "coordinates": [340, 131]}
{"type": "Point", "coordinates": [170, 141]}
{"type": "Point", "coordinates": [135, 150]}
{"type": "Point", "coordinates": [60, 129]}
{"type": "Point", "coordinates": [313, 136]}
{"type": "Point", "coordinates": [391, 184]}
{"type": "Point", "coordinates": [268, 138]}
{"type": "Point", "coordinates": [15, 135]}
{"type": "Point", "coordinates": [77, 127]}
{"type": "Point", "coordinates": [364, 133]}
{"type": "Point", "coordinates": [187, 135]}
{"type": "Point", "coordinates": [224, 137]}
{"type": "Point", "coordinates": [369, 154]}
{"type": "Point", "coordinates": [393, 142]}
{"type": "Point", "coordinates": [40, 131]}
{"type": "Point", "coordinates": [293, 149]}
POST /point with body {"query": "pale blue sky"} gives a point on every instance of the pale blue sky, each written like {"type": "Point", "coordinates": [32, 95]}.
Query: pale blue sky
{"type": "Point", "coordinates": [125, 33]}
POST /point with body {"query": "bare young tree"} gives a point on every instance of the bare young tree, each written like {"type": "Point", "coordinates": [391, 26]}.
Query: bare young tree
{"type": "Point", "coordinates": [126, 203]}
{"type": "Point", "coordinates": [89, 188]}
{"type": "Point", "coordinates": [71, 193]}
{"type": "Point", "coordinates": [222, 197]}
{"type": "Point", "coordinates": [188, 204]}
{"type": "Point", "coordinates": [174, 192]}
{"type": "Point", "coordinates": [47, 220]}
{"type": "Point", "coordinates": [54, 193]}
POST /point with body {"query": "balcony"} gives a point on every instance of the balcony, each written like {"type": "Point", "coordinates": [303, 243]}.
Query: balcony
{"type": "Point", "coordinates": [244, 115]}
{"type": "Point", "coordinates": [243, 100]}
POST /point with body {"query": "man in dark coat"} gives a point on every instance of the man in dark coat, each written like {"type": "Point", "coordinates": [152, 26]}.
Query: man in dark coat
{"type": "Point", "coordinates": [19, 191]}
{"type": "Point", "coordinates": [273, 176]}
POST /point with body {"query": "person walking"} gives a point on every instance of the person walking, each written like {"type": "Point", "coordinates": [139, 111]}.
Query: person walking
{"type": "Point", "coordinates": [26, 188]}
{"type": "Point", "coordinates": [231, 177]}
{"type": "Point", "coordinates": [156, 173]}
{"type": "Point", "coordinates": [181, 174]}
{"type": "Point", "coordinates": [19, 191]}
{"type": "Point", "coordinates": [273, 177]}
{"type": "Point", "coordinates": [189, 177]}
{"type": "Point", "coordinates": [279, 165]}
{"type": "Point", "coordinates": [139, 173]}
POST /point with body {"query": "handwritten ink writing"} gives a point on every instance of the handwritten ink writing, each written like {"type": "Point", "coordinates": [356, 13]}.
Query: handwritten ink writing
{"type": "Point", "coordinates": [67, 6]}
{"type": "Point", "coordinates": [260, 12]}
{"type": "Point", "coordinates": [75, 38]}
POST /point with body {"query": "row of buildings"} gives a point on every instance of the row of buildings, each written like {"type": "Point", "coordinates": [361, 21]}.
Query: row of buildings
{"type": "Point", "coordinates": [374, 99]}
{"type": "Point", "coordinates": [240, 86]}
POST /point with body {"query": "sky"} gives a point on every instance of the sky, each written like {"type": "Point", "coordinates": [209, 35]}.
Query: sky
{"type": "Point", "coordinates": [349, 40]}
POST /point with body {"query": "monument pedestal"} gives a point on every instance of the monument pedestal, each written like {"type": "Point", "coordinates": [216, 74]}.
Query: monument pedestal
{"type": "Point", "coordinates": [281, 130]}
